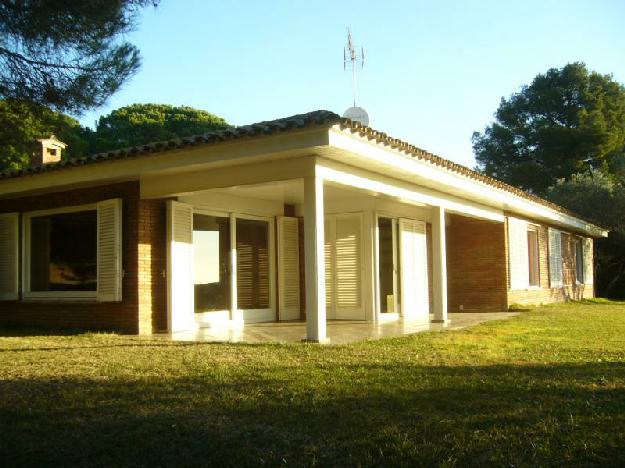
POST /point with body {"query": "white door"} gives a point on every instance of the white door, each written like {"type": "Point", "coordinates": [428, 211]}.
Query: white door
{"type": "Point", "coordinates": [344, 267]}
{"type": "Point", "coordinates": [180, 299]}
{"type": "Point", "coordinates": [414, 270]}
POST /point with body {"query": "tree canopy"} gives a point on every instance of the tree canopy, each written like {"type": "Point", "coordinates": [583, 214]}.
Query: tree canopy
{"type": "Point", "coordinates": [67, 55]}
{"type": "Point", "coordinates": [138, 124]}
{"type": "Point", "coordinates": [22, 123]}
{"type": "Point", "coordinates": [563, 121]}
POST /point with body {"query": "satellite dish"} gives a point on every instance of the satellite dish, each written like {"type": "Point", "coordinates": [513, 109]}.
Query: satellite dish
{"type": "Point", "coordinates": [357, 114]}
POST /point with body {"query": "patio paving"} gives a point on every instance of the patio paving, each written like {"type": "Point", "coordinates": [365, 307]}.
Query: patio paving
{"type": "Point", "coordinates": [339, 331]}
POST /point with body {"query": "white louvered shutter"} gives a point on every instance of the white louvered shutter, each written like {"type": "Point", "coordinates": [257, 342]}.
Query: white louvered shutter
{"type": "Point", "coordinates": [555, 258]}
{"type": "Point", "coordinates": [348, 267]}
{"type": "Point", "coordinates": [9, 223]}
{"type": "Point", "coordinates": [518, 254]}
{"type": "Point", "coordinates": [329, 266]}
{"type": "Point", "coordinates": [288, 268]}
{"type": "Point", "coordinates": [588, 260]}
{"type": "Point", "coordinates": [110, 250]}
{"type": "Point", "coordinates": [180, 289]}
{"type": "Point", "coordinates": [414, 270]}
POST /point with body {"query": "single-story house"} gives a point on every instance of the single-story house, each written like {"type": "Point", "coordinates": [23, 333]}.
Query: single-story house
{"type": "Point", "coordinates": [311, 217]}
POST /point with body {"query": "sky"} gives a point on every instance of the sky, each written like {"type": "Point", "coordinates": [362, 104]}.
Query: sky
{"type": "Point", "coordinates": [434, 73]}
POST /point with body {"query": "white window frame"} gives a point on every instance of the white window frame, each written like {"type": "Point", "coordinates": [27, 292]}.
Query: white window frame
{"type": "Point", "coordinates": [27, 294]}
{"type": "Point", "coordinates": [235, 313]}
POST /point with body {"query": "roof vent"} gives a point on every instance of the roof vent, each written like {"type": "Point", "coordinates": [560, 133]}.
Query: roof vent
{"type": "Point", "coordinates": [49, 153]}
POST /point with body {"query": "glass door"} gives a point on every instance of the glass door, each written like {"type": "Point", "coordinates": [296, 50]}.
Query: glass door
{"type": "Point", "coordinates": [211, 259]}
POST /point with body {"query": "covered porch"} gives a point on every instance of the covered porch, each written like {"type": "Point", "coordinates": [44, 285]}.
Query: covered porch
{"type": "Point", "coordinates": [306, 242]}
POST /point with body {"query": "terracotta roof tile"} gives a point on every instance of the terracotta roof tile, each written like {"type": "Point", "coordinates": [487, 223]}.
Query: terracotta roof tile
{"type": "Point", "coordinates": [316, 118]}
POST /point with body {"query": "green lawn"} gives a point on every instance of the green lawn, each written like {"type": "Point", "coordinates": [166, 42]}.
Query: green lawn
{"type": "Point", "coordinates": [546, 388]}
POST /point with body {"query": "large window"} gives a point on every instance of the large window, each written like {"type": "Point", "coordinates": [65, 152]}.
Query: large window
{"type": "Point", "coordinates": [211, 246]}
{"type": "Point", "coordinates": [63, 252]}
{"type": "Point", "coordinates": [252, 264]}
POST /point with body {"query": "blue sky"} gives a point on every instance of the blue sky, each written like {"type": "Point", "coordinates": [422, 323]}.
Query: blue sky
{"type": "Point", "coordinates": [435, 71]}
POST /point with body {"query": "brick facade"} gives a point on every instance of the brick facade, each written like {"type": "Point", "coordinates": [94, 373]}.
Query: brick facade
{"type": "Point", "coordinates": [142, 231]}
{"type": "Point", "coordinates": [545, 294]}
{"type": "Point", "coordinates": [476, 265]}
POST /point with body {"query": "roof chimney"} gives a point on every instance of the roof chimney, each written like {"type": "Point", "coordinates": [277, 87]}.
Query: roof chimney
{"type": "Point", "coordinates": [50, 151]}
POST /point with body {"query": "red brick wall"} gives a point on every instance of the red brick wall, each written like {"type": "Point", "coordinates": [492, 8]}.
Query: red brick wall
{"type": "Point", "coordinates": [152, 266]}
{"type": "Point", "coordinates": [476, 265]}
{"type": "Point", "coordinates": [121, 316]}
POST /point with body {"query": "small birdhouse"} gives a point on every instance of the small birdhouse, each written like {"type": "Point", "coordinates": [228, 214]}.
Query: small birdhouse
{"type": "Point", "coordinates": [50, 151]}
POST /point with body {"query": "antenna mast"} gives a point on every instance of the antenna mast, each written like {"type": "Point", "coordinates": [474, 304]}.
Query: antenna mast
{"type": "Point", "coordinates": [352, 60]}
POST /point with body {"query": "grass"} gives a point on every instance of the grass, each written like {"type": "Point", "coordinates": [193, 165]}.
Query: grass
{"type": "Point", "coordinates": [545, 388]}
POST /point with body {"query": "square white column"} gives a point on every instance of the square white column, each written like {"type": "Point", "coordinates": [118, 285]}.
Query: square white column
{"type": "Point", "coordinates": [314, 260]}
{"type": "Point", "coordinates": [439, 265]}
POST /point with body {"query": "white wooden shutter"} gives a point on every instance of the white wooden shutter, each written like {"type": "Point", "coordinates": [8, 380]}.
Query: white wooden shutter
{"type": "Point", "coordinates": [348, 267]}
{"type": "Point", "coordinates": [588, 260]}
{"type": "Point", "coordinates": [555, 258]}
{"type": "Point", "coordinates": [180, 289]}
{"type": "Point", "coordinates": [329, 265]}
{"type": "Point", "coordinates": [415, 303]}
{"type": "Point", "coordinates": [518, 254]}
{"type": "Point", "coordinates": [110, 250]}
{"type": "Point", "coordinates": [288, 268]}
{"type": "Point", "coordinates": [9, 223]}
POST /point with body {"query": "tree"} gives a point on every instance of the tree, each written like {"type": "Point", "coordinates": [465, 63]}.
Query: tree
{"type": "Point", "coordinates": [584, 194]}
{"type": "Point", "coordinates": [553, 128]}
{"type": "Point", "coordinates": [68, 55]}
{"type": "Point", "coordinates": [22, 123]}
{"type": "Point", "coordinates": [138, 124]}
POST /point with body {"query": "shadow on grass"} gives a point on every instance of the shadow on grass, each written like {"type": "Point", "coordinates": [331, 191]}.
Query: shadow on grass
{"type": "Point", "coordinates": [396, 415]}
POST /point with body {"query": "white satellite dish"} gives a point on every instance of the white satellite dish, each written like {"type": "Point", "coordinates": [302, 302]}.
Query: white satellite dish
{"type": "Point", "coordinates": [357, 114]}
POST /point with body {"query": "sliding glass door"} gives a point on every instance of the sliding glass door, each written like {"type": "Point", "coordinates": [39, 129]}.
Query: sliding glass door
{"type": "Point", "coordinates": [232, 284]}
{"type": "Point", "coordinates": [212, 269]}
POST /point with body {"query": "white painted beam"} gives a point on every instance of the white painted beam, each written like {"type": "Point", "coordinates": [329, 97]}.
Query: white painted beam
{"type": "Point", "coordinates": [353, 177]}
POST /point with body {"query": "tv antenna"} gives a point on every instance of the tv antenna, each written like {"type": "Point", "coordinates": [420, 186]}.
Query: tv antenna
{"type": "Point", "coordinates": [353, 60]}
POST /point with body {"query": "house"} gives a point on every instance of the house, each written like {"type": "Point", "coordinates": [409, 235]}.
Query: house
{"type": "Point", "coordinates": [311, 217]}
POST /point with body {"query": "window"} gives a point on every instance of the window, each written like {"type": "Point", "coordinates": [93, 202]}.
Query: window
{"type": "Point", "coordinates": [579, 261]}
{"type": "Point", "coordinates": [533, 257]}
{"type": "Point", "coordinates": [63, 252]}
{"type": "Point", "coordinates": [211, 246]}
{"type": "Point", "coordinates": [74, 252]}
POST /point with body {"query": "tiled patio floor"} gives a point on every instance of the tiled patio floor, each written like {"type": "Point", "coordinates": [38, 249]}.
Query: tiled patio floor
{"type": "Point", "coordinates": [339, 332]}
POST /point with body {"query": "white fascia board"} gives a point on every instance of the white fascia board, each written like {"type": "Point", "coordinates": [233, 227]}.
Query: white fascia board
{"type": "Point", "coordinates": [419, 196]}
{"type": "Point", "coordinates": [400, 164]}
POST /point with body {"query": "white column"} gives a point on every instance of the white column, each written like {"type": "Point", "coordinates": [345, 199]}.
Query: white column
{"type": "Point", "coordinates": [314, 260]}
{"type": "Point", "coordinates": [439, 265]}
